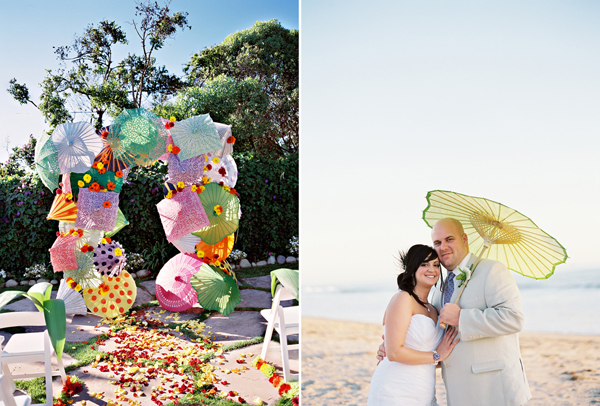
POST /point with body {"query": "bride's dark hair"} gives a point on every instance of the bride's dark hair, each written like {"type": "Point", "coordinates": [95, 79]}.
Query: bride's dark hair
{"type": "Point", "coordinates": [410, 261]}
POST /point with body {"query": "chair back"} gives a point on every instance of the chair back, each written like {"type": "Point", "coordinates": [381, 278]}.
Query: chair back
{"type": "Point", "coordinates": [282, 293]}
{"type": "Point", "coordinates": [19, 319]}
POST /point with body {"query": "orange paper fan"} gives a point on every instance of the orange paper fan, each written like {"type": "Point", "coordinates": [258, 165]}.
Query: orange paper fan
{"type": "Point", "coordinates": [63, 208]}
{"type": "Point", "coordinates": [216, 252]}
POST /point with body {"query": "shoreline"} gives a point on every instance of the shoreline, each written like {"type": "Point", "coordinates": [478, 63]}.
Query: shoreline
{"type": "Point", "coordinates": [562, 369]}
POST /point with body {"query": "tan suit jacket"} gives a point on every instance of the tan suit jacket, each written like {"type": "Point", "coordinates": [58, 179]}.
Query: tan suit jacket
{"type": "Point", "coordinates": [485, 367]}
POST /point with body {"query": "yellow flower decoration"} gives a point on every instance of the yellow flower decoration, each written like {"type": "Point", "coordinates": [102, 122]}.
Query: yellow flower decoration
{"type": "Point", "coordinates": [170, 147]}
{"type": "Point", "coordinates": [80, 183]}
{"type": "Point", "coordinates": [100, 165]}
{"type": "Point", "coordinates": [200, 253]}
{"type": "Point", "coordinates": [180, 184]}
{"type": "Point", "coordinates": [216, 160]}
{"type": "Point", "coordinates": [201, 188]}
{"type": "Point", "coordinates": [194, 188]}
{"type": "Point", "coordinates": [227, 188]}
{"type": "Point", "coordinates": [172, 118]}
{"type": "Point", "coordinates": [169, 195]}
{"type": "Point", "coordinates": [118, 252]}
{"type": "Point", "coordinates": [104, 241]}
{"type": "Point", "coordinates": [205, 180]}
{"type": "Point", "coordinates": [69, 196]}
{"type": "Point", "coordinates": [218, 209]}
{"type": "Point", "coordinates": [217, 263]}
{"type": "Point", "coordinates": [87, 177]}
{"type": "Point", "coordinates": [206, 169]}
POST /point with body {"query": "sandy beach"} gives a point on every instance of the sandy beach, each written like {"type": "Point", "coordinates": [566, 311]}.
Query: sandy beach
{"type": "Point", "coordinates": [338, 360]}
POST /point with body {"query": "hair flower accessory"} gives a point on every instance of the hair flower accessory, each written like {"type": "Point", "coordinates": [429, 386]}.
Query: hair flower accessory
{"type": "Point", "coordinates": [464, 276]}
{"type": "Point", "coordinates": [218, 209]}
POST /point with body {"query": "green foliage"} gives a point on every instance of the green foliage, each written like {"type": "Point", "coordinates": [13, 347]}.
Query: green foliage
{"type": "Point", "coordinates": [268, 53]}
{"type": "Point", "coordinates": [268, 190]}
{"type": "Point", "coordinates": [25, 234]}
{"type": "Point", "coordinates": [242, 104]}
{"type": "Point", "coordinates": [20, 160]}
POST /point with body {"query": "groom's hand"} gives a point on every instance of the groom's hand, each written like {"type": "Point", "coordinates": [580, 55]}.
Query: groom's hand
{"type": "Point", "coordinates": [450, 314]}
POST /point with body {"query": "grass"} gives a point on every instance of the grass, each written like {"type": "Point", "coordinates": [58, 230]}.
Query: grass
{"type": "Point", "coordinates": [262, 270]}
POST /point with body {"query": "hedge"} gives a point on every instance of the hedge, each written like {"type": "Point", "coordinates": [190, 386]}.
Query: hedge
{"type": "Point", "coordinates": [268, 190]}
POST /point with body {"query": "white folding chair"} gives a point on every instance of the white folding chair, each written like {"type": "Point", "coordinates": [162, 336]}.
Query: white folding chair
{"type": "Point", "coordinates": [29, 347]}
{"type": "Point", "coordinates": [286, 321]}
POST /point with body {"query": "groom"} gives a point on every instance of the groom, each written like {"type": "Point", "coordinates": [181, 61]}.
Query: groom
{"type": "Point", "coordinates": [485, 367]}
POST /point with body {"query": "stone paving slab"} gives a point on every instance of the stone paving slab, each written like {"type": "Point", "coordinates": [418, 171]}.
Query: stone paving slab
{"type": "Point", "coordinates": [258, 281]}
{"type": "Point", "coordinates": [255, 298]}
{"type": "Point", "coordinates": [238, 326]}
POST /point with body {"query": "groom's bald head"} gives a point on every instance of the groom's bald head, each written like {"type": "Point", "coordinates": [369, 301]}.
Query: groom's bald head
{"type": "Point", "coordinates": [450, 242]}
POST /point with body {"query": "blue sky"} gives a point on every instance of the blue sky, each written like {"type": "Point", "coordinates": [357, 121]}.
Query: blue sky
{"type": "Point", "coordinates": [490, 99]}
{"type": "Point", "coordinates": [31, 28]}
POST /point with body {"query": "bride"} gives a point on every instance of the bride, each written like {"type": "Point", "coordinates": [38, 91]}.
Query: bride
{"type": "Point", "coordinates": [414, 342]}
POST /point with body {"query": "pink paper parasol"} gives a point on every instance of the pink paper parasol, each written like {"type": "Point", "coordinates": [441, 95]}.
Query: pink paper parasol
{"type": "Point", "coordinates": [62, 253]}
{"type": "Point", "coordinates": [173, 289]}
{"type": "Point", "coordinates": [182, 214]}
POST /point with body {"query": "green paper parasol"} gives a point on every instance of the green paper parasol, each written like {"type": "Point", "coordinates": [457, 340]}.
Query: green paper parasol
{"type": "Point", "coordinates": [216, 290]}
{"type": "Point", "coordinates": [85, 274]}
{"type": "Point", "coordinates": [196, 136]}
{"type": "Point", "coordinates": [102, 179]}
{"type": "Point", "coordinates": [46, 161]}
{"type": "Point", "coordinates": [121, 222]}
{"type": "Point", "coordinates": [137, 137]}
{"type": "Point", "coordinates": [221, 225]}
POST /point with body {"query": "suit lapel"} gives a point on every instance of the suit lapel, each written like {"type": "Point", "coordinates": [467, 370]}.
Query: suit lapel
{"type": "Point", "coordinates": [470, 262]}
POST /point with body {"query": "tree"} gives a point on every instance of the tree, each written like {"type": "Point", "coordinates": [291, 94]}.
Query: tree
{"type": "Point", "coordinates": [91, 77]}
{"type": "Point", "coordinates": [268, 53]}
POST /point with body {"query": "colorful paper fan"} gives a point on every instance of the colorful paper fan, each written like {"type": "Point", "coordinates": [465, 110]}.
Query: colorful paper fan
{"type": "Point", "coordinates": [109, 258]}
{"type": "Point", "coordinates": [74, 303]}
{"type": "Point", "coordinates": [77, 145]}
{"type": "Point", "coordinates": [176, 302]}
{"type": "Point", "coordinates": [216, 290]}
{"type": "Point", "coordinates": [195, 136]}
{"type": "Point", "coordinates": [85, 274]}
{"type": "Point", "coordinates": [113, 297]}
{"type": "Point", "coordinates": [108, 180]}
{"type": "Point", "coordinates": [62, 253]}
{"type": "Point", "coordinates": [138, 137]}
{"type": "Point", "coordinates": [222, 170]}
{"type": "Point", "coordinates": [63, 208]}
{"type": "Point", "coordinates": [181, 214]}
{"type": "Point", "coordinates": [107, 157]}
{"type": "Point", "coordinates": [221, 224]}
{"type": "Point", "coordinates": [227, 140]}
{"type": "Point", "coordinates": [186, 244]}
{"type": "Point", "coordinates": [97, 210]}
{"type": "Point", "coordinates": [189, 171]}
{"type": "Point", "coordinates": [46, 161]}
{"type": "Point", "coordinates": [121, 222]}
{"type": "Point", "coordinates": [89, 237]}
{"type": "Point", "coordinates": [216, 252]}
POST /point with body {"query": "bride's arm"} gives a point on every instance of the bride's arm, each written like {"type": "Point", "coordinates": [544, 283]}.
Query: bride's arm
{"type": "Point", "coordinates": [397, 320]}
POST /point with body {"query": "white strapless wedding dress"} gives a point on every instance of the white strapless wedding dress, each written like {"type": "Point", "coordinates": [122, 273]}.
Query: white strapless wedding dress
{"type": "Point", "coordinates": [398, 384]}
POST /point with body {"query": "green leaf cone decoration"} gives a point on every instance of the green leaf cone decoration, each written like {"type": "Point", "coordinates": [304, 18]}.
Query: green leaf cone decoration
{"type": "Point", "coordinates": [290, 280]}
{"type": "Point", "coordinates": [216, 290]}
{"type": "Point", "coordinates": [121, 222]}
{"type": "Point", "coordinates": [101, 179]}
{"type": "Point", "coordinates": [221, 225]}
{"type": "Point", "coordinates": [56, 322]}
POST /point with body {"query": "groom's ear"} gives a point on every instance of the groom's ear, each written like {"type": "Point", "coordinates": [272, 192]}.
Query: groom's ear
{"type": "Point", "coordinates": [465, 239]}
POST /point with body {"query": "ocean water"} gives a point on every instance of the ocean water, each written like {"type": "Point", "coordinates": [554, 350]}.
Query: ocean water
{"type": "Point", "coordinates": [567, 302]}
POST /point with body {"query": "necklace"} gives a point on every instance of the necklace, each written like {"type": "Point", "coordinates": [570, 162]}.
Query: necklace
{"type": "Point", "coordinates": [427, 307]}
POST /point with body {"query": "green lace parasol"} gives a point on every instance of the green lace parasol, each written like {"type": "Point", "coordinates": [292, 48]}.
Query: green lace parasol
{"type": "Point", "coordinates": [223, 224]}
{"type": "Point", "coordinates": [216, 290]}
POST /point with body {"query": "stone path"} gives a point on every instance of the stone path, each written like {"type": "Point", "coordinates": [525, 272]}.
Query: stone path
{"type": "Point", "coordinates": [238, 326]}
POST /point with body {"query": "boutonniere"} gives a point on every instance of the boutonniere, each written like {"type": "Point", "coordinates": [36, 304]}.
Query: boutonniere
{"type": "Point", "coordinates": [464, 276]}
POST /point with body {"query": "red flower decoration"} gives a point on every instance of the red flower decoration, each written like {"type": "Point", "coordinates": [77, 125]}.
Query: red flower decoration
{"type": "Point", "coordinates": [119, 174]}
{"type": "Point", "coordinates": [104, 134]}
{"type": "Point", "coordinates": [106, 204]}
{"type": "Point", "coordinates": [231, 140]}
{"type": "Point", "coordinates": [102, 171]}
{"type": "Point", "coordinates": [209, 166]}
{"type": "Point", "coordinates": [222, 171]}
{"type": "Point", "coordinates": [176, 150]}
{"type": "Point", "coordinates": [110, 186]}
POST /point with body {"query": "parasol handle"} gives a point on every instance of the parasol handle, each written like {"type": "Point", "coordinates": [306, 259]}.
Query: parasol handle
{"type": "Point", "coordinates": [443, 325]}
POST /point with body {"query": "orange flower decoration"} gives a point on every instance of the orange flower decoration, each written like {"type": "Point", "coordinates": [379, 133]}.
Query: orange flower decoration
{"type": "Point", "coordinates": [233, 191]}
{"type": "Point", "coordinates": [108, 239]}
{"type": "Point", "coordinates": [176, 150]}
{"type": "Point", "coordinates": [106, 204]}
{"type": "Point", "coordinates": [95, 165]}
{"type": "Point", "coordinates": [231, 140]}
{"type": "Point", "coordinates": [102, 171]}
{"type": "Point", "coordinates": [84, 249]}
{"type": "Point", "coordinates": [119, 174]}
{"type": "Point", "coordinates": [94, 187]}
{"type": "Point", "coordinates": [104, 288]}
{"type": "Point", "coordinates": [110, 186]}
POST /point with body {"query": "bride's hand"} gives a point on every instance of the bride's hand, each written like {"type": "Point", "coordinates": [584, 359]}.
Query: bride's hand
{"type": "Point", "coordinates": [448, 343]}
